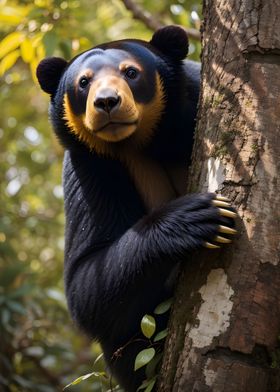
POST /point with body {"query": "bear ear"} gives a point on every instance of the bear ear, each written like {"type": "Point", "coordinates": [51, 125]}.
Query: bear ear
{"type": "Point", "coordinates": [172, 41]}
{"type": "Point", "coordinates": [49, 72]}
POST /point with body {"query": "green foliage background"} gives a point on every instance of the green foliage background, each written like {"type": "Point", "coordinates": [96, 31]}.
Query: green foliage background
{"type": "Point", "coordinates": [40, 349]}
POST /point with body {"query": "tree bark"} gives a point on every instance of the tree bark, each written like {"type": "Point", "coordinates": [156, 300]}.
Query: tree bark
{"type": "Point", "coordinates": [226, 319]}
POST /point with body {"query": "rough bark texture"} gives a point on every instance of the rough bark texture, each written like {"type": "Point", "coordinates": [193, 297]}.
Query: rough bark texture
{"type": "Point", "coordinates": [226, 319]}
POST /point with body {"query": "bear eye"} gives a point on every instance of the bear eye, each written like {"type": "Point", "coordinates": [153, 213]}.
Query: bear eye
{"type": "Point", "coordinates": [131, 73]}
{"type": "Point", "coordinates": [83, 82]}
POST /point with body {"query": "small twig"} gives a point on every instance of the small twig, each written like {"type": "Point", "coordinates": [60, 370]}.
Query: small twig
{"type": "Point", "coordinates": [139, 13]}
{"type": "Point", "coordinates": [193, 33]}
{"type": "Point", "coordinates": [150, 21]}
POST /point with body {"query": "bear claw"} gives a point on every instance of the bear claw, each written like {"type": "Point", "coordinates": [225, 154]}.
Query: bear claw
{"type": "Point", "coordinates": [227, 230]}
{"type": "Point", "coordinates": [209, 245]}
{"type": "Point", "coordinates": [220, 203]}
{"type": "Point", "coordinates": [222, 198]}
{"type": "Point", "coordinates": [222, 240]}
{"type": "Point", "coordinates": [227, 213]}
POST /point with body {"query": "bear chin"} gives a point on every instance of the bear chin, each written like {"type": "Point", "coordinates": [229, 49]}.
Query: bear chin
{"type": "Point", "coordinates": [116, 132]}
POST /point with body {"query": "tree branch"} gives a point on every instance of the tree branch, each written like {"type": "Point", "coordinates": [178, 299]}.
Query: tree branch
{"type": "Point", "coordinates": [139, 13]}
{"type": "Point", "coordinates": [150, 21]}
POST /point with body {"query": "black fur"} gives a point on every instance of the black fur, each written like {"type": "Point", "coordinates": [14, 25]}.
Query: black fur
{"type": "Point", "coordinates": [49, 72]}
{"type": "Point", "coordinates": [119, 257]}
{"type": "Point", "coordinates": [172, 41]}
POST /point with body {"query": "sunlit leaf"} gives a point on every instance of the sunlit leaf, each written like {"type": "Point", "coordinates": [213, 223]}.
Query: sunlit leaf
{"type": "Point", "coordinates": [37, 39]}
{"type": "Point", "coordinates": [41, 52]}
{"type": "Point", "coordinates": [163, 307]}
{"type": "Point", "coordinates": [144, 357]}
{"type": "Point", "coordinates": [148, 325]}
{"type": "Point", "coordinates": [33, 67]}
{"type": "Point", "coordinates": [8, 61]}
{"type": "Point", "coordinates": [84, 42]}
{"type": "Point", "coordinates": [100, 356]}
{"type": "Point", "coordinates": [27, 50]}
{"type": "Point", "coordinates": [10, 42]}
{"type": "Point", "coordinates": [42, 3]}
{"type": "Point", "coordinates": [13, 16]}
{"type": "Point", "coordinates": [12, 20]}
{"type": "Point", "coordinates": [85, 377]}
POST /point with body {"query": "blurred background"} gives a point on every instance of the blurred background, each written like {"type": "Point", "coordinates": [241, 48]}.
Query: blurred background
{"type": "Point", "coordinates": [40, 349]}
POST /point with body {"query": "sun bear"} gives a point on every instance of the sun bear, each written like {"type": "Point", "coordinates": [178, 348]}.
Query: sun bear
{"type": "Point", "coordinates": [125, 113]}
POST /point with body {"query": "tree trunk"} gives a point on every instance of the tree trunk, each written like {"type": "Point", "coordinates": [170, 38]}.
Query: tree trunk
{"type": "Point", "coordinates": [226, 318]}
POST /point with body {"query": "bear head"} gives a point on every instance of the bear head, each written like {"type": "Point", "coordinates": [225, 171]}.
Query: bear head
{"type": "Point", "coordinates": [114, 92]}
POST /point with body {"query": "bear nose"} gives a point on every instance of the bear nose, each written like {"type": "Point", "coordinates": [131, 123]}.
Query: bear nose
{"type": "Point", "coordinates": [106, 100]}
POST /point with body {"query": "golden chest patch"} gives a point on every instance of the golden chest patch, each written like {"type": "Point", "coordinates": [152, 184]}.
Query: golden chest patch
{"type": "Point", "coordinates": [156, 184]}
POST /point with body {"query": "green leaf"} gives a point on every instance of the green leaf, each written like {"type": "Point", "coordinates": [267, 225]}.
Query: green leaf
{"type": "Point", "coordinates": [85, 377]}
{"type": "Point", "coordinates": [13, 15]}
{"type": "Point", "coordinates": [150, 386]}
{"type": "Point", "coordinates": [66, 48]}
{"type": "Point", "coordinates": [144, 357]}
{"type": "Point", "coordinates": [147, 384]}
{"type": "Point", "coordinates": [144, 385]}
{"type": "Point", "coordinates": [148, 325]}
{"type": "Point", "coordinates": [161, 335]}
{"type": "Point", "coordinates": [27, 50]}
{"type": "Point", "coordinates": [50, 41]}
{"type": "Point", "coordinates": [100, 356]}
{"type": "Point", "coordinates": [164, 306]}
{"type": "Point", "coordinates": [8, 61]}
{"type": "Point", "coordinates": [10, 42]}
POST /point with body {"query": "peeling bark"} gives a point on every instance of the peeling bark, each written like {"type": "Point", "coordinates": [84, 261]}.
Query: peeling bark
{"type": "Point", "coordinates": [226, 319]}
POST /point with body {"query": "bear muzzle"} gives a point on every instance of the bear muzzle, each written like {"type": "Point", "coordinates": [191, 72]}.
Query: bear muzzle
{"type": "Point", "coordinates": [111, 112]}
{"type": "Point", "coordinates": [107, 100]}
